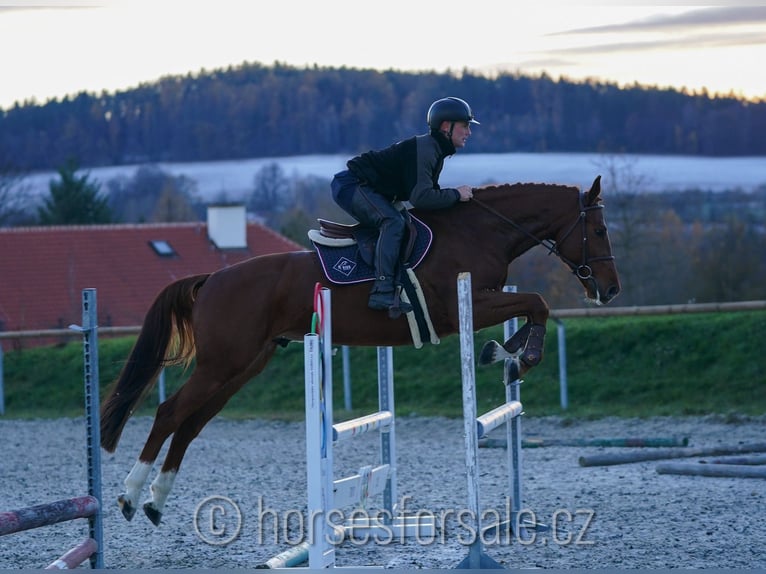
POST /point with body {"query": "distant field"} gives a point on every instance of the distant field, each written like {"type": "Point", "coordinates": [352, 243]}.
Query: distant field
{"type": "Point", "coordinates": [661, 173]}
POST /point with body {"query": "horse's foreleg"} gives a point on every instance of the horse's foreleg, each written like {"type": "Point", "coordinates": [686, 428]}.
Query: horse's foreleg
{"type": "Point", "coordinates": [533, 350]}
{"type": "Point", "coordinates": [525, 346]}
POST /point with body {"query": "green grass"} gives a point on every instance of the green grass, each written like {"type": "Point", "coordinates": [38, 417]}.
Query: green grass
{"type": "Point", "coordinates": [620, 366]}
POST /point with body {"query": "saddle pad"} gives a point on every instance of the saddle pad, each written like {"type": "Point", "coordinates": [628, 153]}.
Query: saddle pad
{"type": "Point", "coordinates": [345, 265]}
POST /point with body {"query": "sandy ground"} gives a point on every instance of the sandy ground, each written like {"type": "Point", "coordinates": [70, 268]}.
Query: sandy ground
{"type": "Point", "coordinates": [625, 516]}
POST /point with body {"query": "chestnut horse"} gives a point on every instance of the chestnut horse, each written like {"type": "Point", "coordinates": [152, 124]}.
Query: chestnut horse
{"type": "Point", "coordinates": [233, 320]}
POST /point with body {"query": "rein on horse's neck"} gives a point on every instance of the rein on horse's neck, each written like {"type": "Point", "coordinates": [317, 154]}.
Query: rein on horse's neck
{"type": "Point", "coordinates": [547, 243]}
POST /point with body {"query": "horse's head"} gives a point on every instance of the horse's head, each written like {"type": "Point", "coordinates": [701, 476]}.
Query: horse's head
{"type": "Point", "coordinates": [584, 246]}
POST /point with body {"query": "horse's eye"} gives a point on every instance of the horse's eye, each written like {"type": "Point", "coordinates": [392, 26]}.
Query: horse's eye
{"type": "Point", "coordinates": [601, 232]}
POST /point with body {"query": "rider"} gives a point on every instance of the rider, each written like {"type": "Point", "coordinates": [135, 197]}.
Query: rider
{"type": "Point", "coordinates": [376, 181]}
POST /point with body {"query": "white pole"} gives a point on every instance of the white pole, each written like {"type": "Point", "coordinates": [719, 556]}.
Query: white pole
{"type": "Point", "coordinates": [319, 436]}
{"type": "Point", "coordinates": [470, 430]}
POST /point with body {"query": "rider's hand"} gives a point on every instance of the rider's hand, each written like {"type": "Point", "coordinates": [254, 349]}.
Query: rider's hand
{"type": "Point", "coordinates": [466, 192]}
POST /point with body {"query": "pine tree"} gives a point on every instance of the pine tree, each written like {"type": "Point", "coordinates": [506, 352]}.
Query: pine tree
{"type": "Point", "coordinates": [74, 200]}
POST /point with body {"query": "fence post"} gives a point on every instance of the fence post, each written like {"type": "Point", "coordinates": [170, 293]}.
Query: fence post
{"type": "Point", "coordinates": [91, 380]}
{"type": "Point", "coordinates": [562, 341]}
{"type": "Point", "coordinates": [2, 391]}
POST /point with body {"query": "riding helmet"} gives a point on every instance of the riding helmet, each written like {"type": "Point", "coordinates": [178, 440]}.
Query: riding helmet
{"type": "Point", "coordinates": [450, 110]}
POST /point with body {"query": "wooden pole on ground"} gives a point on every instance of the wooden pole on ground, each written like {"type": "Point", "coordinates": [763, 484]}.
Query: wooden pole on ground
{"type": "Point", "coordinates": [536, 442]}
{"type": "Point", "coordinates": [607, 459]}
{"type": "Point", "coordinates": [695, 468]}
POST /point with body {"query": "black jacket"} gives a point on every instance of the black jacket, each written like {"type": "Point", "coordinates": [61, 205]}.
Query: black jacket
{"type": "Point", "coordinates": [409, 170]}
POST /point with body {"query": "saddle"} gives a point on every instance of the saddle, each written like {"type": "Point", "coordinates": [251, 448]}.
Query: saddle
{"type": "Point", "coordinates": [347, 251]}
{"type": "Point", "coordinates": [333, 230]}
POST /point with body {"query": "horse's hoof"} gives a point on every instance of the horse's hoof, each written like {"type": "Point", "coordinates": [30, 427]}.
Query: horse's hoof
{"type": "Point", "coordinates": [152, 513]}
{"type": "Point", "coordinates": [492, 352]}
{"type": "Point", "coordinates": [513, 371]}
{"type": "Point", "coordinates": [531, 357]}
{"type": "Point", "coordinates": [128, 510]}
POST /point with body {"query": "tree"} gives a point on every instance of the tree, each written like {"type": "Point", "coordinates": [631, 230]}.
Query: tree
{"type": "Point", "coordinates": [270, 195]}
{"type": "Point", "coordinates": [173, 205]}
{"type": "Point", "coordinates": [628, 225]}
{"type": "Point", "coordinates": [153, 195]}
{"type": "Point", "coordinates": [74, 200]}
{"type": "Point", "coordinates": [13, 198]}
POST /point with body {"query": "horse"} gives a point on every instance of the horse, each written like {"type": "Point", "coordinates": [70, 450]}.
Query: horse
{"type": "Point", "coordinates": [233, 320]}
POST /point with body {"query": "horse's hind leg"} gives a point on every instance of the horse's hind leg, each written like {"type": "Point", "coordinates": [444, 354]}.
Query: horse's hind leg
{"type": "Point", "coordinates": [166, 421]}
{"type": "Point", "coordinates": [191, 426]}
{"type": "Point", "coordinates": [189, 429]}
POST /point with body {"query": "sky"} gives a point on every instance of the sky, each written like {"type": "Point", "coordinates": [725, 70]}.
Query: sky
{"type": "Point", "coordinates": [53, 48]}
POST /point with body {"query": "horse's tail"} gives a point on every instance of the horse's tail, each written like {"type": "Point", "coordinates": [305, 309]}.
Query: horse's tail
{"type": "Point", "coordinates": [171, 313]}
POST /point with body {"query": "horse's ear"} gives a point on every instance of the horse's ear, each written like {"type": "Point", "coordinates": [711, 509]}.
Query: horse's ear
{"type": "Point", "coordinates": [595, 191]}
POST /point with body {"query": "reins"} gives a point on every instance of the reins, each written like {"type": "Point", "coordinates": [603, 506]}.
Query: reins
{"type": "Point", "coordinates": [583, 270]}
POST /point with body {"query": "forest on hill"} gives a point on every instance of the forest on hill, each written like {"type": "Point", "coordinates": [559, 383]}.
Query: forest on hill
{"type": "Point", "coordinates": [254, 110]}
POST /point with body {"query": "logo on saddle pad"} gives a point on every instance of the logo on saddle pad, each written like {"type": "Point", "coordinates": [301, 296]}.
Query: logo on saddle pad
{"type": "Point", "coordinates": [345, 266]}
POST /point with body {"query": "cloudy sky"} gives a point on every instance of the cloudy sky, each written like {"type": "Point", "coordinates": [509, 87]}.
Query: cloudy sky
{"type": "Point", "coordinates": [51, 48]}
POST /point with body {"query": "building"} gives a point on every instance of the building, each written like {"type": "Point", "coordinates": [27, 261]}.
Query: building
{"type": "Point", "coordinates": [43, 270]}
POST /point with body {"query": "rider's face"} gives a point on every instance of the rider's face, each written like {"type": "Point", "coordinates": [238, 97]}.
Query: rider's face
{"type": "Point", "coordinates": [460, 133]}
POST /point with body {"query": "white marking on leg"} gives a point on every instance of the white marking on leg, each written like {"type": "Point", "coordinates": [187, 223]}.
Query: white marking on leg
{"type": "Point", "coordinates": [135, 481]}
{"type": "Point", "coordinates": [501, 354]}
{"type": "Point", "coordinates": [161, 488]}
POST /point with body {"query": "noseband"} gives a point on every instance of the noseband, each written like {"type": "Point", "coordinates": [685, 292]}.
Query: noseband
{"type": "Point", "coordinates": [583, 270]}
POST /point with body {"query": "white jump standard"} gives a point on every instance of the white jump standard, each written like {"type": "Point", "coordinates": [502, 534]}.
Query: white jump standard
{"type": "Point", "coordinates": [476, 427]}
{"type": "Point", "coordinates": [327, 496]}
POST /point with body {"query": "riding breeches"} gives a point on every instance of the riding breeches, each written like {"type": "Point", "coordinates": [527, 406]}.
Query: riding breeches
{"type": "Point", "coordinates": [373, 210]}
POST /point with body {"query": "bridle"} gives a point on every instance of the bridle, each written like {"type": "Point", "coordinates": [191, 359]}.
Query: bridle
{"type": "Point", "coordinates": [583, 270]}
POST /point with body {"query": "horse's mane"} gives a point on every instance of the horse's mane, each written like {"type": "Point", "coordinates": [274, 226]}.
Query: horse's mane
{"type": "Point", "coordinates": [521, 187]}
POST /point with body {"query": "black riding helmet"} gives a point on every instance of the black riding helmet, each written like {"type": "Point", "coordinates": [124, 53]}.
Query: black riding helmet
{"type": "Point", "coordinates": [450, 110]}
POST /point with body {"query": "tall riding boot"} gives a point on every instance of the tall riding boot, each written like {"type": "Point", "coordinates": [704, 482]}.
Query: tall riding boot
{"type": "Point", "coordinates": [384, 294]}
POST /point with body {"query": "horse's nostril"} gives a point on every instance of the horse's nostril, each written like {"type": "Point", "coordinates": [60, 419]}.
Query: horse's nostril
{"type": "Point", "coordinates": [612, 292]}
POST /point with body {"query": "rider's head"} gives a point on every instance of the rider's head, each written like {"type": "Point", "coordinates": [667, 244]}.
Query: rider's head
{"type": "Point", "coordinates": [449, 110]}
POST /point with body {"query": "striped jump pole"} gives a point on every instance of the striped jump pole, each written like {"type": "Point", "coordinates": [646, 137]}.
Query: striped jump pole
{"type": "Point", "coordinates": [75, 556]}
{"type": "Point", "coordinates": [47, 514]}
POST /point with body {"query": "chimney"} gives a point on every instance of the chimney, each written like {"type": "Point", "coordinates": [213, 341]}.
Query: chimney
{"type": "Point", "coordinates": [227, 226]}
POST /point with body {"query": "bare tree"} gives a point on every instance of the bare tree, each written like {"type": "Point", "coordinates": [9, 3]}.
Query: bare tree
{"type": "Point", "coordinates": [627, 218]}
{"type": "Point", "coordinates": [271, 193]}
{"type": "Point", "coordinates": [153, 195]}
{"type": "Point", "coordinates": [14, 198]}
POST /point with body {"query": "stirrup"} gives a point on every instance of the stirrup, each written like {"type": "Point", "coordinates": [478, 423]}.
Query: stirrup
{"type": "Point", "coordinates": [394, 305]}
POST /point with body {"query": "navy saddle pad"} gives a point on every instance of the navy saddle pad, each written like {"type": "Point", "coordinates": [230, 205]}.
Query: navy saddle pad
{"type": "Point", "coordinates": [345, 265]}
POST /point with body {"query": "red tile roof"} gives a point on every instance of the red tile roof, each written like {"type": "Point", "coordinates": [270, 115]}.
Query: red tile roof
{"type": "Point", "coordinates": [43, 270]}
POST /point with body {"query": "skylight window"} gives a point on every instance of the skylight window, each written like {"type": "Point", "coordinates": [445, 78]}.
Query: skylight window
{"type": "Point", "coordinates": [162, 248]}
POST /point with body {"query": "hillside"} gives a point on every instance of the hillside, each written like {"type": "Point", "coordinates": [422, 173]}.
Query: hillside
{"type": "Point", "coordinates": [636, 366]}
{"type": "Point", "coordinates": [253, 110]}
